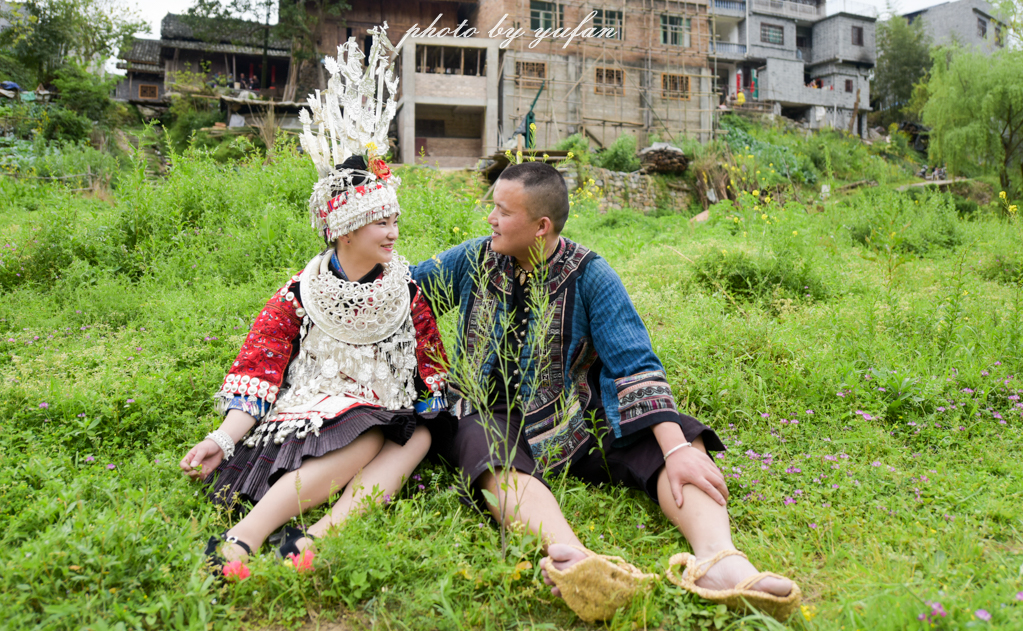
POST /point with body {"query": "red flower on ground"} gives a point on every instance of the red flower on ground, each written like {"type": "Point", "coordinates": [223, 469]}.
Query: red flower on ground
{"type": "Point", "coordinates": [236, 570]}
{"type": "Point", "coordinates": [303, 562]}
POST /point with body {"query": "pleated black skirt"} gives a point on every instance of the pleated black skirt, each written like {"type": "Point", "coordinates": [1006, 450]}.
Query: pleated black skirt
{"type": "Point", "coordinates": [250, 473]}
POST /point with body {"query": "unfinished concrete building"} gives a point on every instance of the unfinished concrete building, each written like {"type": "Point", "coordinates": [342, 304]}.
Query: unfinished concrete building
{"type": "Point", "coordinates": [463, 97]}
{"type": "Point", "coordinates": [808, 60]}
{"type": "Point", "coordinates": [652, 79]}
{"type": "Point", "coordinates": [974, 24]}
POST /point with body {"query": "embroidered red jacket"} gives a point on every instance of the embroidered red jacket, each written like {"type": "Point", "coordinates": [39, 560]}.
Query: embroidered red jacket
{"type": "Point", "coordinates": [258, 372]}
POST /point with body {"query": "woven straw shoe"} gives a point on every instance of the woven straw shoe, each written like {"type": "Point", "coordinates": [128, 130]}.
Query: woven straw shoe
{"type": "Point", "coordinates": [597, 586]}
{"type": "Point", "coordinates": [740, 597]}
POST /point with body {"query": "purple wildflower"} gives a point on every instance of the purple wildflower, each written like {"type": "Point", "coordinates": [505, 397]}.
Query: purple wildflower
{"type": "Point", "coordinates": [983, 614]}
{"type": "Point", "coordinates": [814, 526]}
{"type": "Point", "coordinates": [44, 405]}
{"type": "Point", "coordinates": [129, 401]}
{"type": "Point", "coordinates": [875, 464]}
{"type": "Point", "coordinates": [764, 415]}
{"type": "Point", "coordinates": [89, 459]}
{"type": "Point", "coordinates": [111, 466]}
{"type": "Point", "coordinates": [789, 500]}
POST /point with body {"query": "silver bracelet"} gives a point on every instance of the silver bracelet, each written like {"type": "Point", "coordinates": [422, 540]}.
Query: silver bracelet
{"type": "Point", "coordinates": [224, 441]}
{"type": "Point", "coordinates": [674, 449]}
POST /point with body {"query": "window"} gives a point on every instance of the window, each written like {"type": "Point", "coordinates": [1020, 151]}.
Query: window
{"type": "Point", "coordinates": [148, 91]}
{"type": "Point", "coordinates": [675, 86]}
{"type": "Point", "coordinates": [675, 30]}
{"type": "Point", "coordinates": [611, 20]}
{"type": "Point", "coordinates": [426, 128]}
{"type": "Point", "coordinates": [771, 34]}
{"type": "Point", "coordinates": [610, 81]}
{"type": "Point", "coordinates": [857, 36]}
{"type": "Point", "coordinates": [530, 74]}
{"type": "Point", "coordinates": [545, 15]}
{"type": "Point", "coordinates": [981, 28]}
{"type": "Point", "coordinates": [998, 36]}
{"type": "Point", "coordinates": [848, 85]}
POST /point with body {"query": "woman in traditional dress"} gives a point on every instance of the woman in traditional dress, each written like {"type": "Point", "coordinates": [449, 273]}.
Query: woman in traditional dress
{"type": "Point", "coordinates": [323, 395]}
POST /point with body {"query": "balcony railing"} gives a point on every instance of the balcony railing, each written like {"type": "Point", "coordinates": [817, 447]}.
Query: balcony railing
{"type": "Point", "coordinates": [730, 6]}
{"type": "Point", "coordinates": [792, 9]}
{"type": "Point", "coordinates": [727, 48]}
{"type": "Point", "coordinates": [804, 54]}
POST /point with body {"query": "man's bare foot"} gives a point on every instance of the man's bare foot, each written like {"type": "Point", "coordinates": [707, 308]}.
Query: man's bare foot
{"type": "Point", "coordinates": [562, 557]}
{"type": "Point", "coordinates": [729, 571]}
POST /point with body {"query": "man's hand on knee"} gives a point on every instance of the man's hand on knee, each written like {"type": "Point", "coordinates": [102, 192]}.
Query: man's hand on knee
{"type": "Point", "coordinates": [693, 466]}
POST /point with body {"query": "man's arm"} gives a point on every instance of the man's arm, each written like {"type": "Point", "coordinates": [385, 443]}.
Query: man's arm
{"type": "Point", "coordinates": [634, 386]}
{"type": "Point", "coordinates": [440, 276]}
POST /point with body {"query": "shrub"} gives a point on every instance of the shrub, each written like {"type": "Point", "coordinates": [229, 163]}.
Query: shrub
{"type": "Point", "coordinates": [759, 276]}
{"type": "Point", "coordinates": [578, 145]}
{"type": "Point", "coordinates": [781, 159]}
{"type": "Point", "coordinates": [923, 221]}
{"type": "Point", "coordinates": [64, 124]}
{"type": "Point", "coordinates": [186, 117]}
{"type": "Point", "coordinates": [620, 156]}
{"type": "Point", "coordinates": [84, 93]}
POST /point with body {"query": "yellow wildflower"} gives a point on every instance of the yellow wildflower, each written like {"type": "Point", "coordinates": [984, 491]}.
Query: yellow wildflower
{"type": "Point", "coordinates": [764, 216]}
{"type": "Point", "coordinates": [1013, 209]}
{"type": "Point", "coordinates": [1002, 194]}
{"type": "Point", "coordinates": [756, 193]}
{"type": "Point", "coordinates": [808, 613]}
{"type": "Point", "coordinates": [795, 233]}
{"type": "Point", "coordinates": [456, 229]}
{"type": "Point", "coordinates": [570, 155]}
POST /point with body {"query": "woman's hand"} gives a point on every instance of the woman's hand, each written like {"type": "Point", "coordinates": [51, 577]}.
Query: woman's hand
{"type": "Point", "coordinates": [202, 459]}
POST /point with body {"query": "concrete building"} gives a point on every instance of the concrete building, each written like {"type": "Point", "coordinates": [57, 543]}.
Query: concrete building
{"type": "Point", "coordinates": [464, 97]}
{"type": "Point", "coordinates": [182, 56]}
{"type": "Point", "coordinates": [808, 60]}
{"type": "Point", "coordinates": [969, 23]}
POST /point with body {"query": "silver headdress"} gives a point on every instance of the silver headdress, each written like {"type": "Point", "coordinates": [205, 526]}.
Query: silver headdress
{"type": "Point", "coordinates": [352, 117]}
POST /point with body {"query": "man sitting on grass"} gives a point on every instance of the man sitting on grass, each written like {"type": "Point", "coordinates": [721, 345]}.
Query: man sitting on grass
{"type": "Point", "coordinates": [568, 361]}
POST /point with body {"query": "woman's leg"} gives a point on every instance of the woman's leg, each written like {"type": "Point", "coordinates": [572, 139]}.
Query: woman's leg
{"type": "Point", "coordinates": [308, 486]}
{"type": "Point", "coordinates": [380, 478]}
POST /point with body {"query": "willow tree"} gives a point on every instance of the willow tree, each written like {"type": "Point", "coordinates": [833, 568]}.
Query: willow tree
{"type": "Point", "coordinates": [975, 110]}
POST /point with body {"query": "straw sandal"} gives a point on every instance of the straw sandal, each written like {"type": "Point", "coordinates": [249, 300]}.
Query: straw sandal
{"type": "Point", "coordinates": [740, 597]}
{"type": "Point", "coordinates": [595, 587]}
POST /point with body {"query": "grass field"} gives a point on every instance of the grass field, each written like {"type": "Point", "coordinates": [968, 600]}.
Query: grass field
{"type": "Point", "coordinates": [860, 363]}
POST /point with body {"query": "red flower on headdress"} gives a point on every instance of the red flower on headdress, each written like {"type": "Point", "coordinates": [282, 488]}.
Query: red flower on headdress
{"type": "Point", "coordinates": [379, 168]}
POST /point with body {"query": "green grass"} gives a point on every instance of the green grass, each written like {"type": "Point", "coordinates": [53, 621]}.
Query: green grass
{"type": "Point", "coordinates": [901, 488]}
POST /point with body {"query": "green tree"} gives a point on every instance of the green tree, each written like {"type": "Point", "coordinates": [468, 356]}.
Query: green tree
{"type": "Point", "coordinates": [52, 33]}
{"type": "Point", "coordinates": [903, 58]}
{"type": "Point", "coordinates": [975, 110]}
{"type": "Point", "coordinates": [1012, 12]}
{"type": "Point", "coordinates": [84, 93]}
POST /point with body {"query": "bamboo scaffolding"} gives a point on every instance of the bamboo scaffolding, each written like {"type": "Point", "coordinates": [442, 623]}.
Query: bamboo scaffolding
{"type": "Point", "coordinates": [636, 103]}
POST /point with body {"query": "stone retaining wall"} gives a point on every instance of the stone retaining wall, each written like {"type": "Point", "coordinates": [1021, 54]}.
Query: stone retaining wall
{"type": "Point", "coordinates": [630, 190]}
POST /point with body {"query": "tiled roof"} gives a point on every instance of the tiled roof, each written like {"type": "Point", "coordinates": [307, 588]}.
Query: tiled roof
{"type": "Point", "coordinates": [178, 27]}
{"type": "Point", "coordinates": [223, 48]}
{"type": "Point", "coordinates": [156, 69]}
{"type": "Point", "coordinates": [144, 51]}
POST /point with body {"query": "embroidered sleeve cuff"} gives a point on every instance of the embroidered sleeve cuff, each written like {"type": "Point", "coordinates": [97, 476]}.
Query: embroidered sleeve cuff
{"type": "Point", "coordinates": [643, 395]}
{"type": "Point", "coordinates": [255, 407]}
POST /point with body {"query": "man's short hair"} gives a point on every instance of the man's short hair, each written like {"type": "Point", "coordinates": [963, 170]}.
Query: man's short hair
{"type": "Point", "coordinates": [545, 188]}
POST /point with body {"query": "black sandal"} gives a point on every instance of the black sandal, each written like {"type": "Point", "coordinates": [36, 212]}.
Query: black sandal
{"type": "Point", "coordinates": [289, 543]}
{"type": "Point", "coordinates": [215, 561]}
